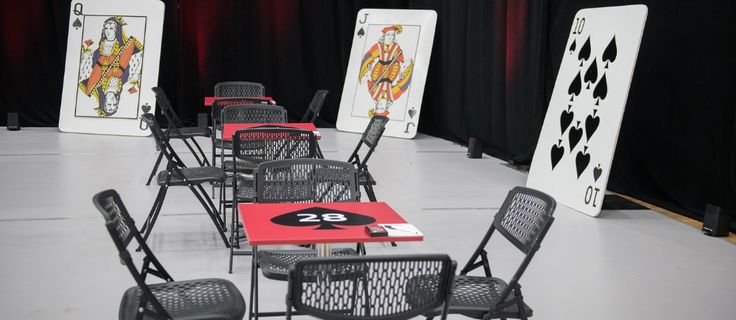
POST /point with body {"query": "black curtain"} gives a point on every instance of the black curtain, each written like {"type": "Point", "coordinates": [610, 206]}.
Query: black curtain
{"type": "Point", "coordinates": [491, 75]}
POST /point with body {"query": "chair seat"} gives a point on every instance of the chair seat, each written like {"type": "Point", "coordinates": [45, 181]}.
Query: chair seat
{"type": "Point", "coordinates": [190, 132]}
{"type": "Point", "coordinates": [243, 165]}
{"type": "Point", "coordinates": [227, 144]}
{"type": "Point", "coordinates": [190, 300]}
{"type": "Point", "coordinates": [195, 175]}
{"type": "Point", "coordinates": [472, 297]}
{"type": "Point", "coordinates": [275, 264]}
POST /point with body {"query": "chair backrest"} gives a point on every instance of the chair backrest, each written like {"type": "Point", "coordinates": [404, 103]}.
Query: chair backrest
{"type": "Point", "coordinates": [525, 217]}
{"type": "Point", "coordinates": [315, 106]}
{"type": "Point", "coordinates": [253, 113]}
{"type": "Point", "coordinates": [306, 180]}
{"type": "Point", "coordinates": [239, 89]}
{"type": "Point", "coordinates": [372, 134]}
{"type": "Point", "coordinates": [370, 287]}
{"type": "Point", "coordinates": [122, 229]}
{"type": "Point", "coordinates": [257, 145]}
{"type": "Point", "coordinates": [221, 103]}
{"type": "Point", "coordinates": [167, 108]}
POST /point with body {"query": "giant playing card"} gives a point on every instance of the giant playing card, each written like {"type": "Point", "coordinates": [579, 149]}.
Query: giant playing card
{"type": "Point", "coordinates": [112, 63]}
{"type": "Point", "coordinates": [578, 138]}
{"type": "Point", "coordinates": [387, 70]}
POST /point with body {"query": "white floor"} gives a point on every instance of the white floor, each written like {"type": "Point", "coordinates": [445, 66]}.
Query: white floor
{"type": "Point", "coordinates": [58, 261]}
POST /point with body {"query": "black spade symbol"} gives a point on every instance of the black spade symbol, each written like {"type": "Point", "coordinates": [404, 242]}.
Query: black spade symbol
{"type": "Point", "coordinates": [361, 33]}
{"type": "Point", "coordinates": [77, 24]}
{"type": "Point", "coordinates": [581, 161]}
{"type": "Point", "coordinates": [601, 89]}
{"type": "Point", "coordinates": [556, 153]}
{"type": "Point", "coordinates": [566, 119]}
{"type": "Point", "coordinates": [597, 172]}
{"type": "Point", "coordinates": [584, 53]}
{"type": "Point", "coordinates": [573, 45]}
{"type": "Point", "coordinates": [324, 218]}
{"type": "Point", "coordinates": [591, 124]}
{"type": "Point", "coordinates": [146, 108]}
{"type": "Point", "coordinates": [575, 86]}
{"type": "Point", "coordinates": [412, 112]}
{"type": "Point", "coordinates": [574, 136]}
{"type": "Point", "coordinates": [592, 74]}
{"type": "Point", "coordinates": [609, 55]}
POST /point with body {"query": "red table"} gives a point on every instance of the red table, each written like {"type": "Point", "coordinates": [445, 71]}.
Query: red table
{"type": "Point", "coordinates": [318, 223]}
{"type": "Point", "coordinates": [230, 128]}
{"type": "Point", "coordinates": [315, 225]}
{"type": "Point", "coordinates": [208, 100]}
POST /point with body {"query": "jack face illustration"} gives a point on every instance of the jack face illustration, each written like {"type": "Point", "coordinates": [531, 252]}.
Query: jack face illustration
{"type": "Point", "coordinates": [385, 71]}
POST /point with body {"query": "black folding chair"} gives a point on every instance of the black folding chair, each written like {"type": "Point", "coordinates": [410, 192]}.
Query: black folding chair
{"type": "Point", "coordinates": [239, 89]}
{"type": "Point", "coordinates": [370, 138]}
{"type": "Point", "coordinates": [177, 174]}
{"type": "Point", "coordinates": [252, 147]}
{"type": "Point", "coordinates": [524, 219]}
{"type": "Point", "coordinates": [370, 287]}
{"type": "Point", "coordinates": [299, 180]}
{"type": "Point", "coordinates": [217, 106]}
{"type": "Point", "coordinates": [249, 113]}
{"type": "Point", "coordinates": [189, 299]}
{"type": "Point", "coordinates": [176, 130]}
{"type": "Point", "coordinates": [315, 106]}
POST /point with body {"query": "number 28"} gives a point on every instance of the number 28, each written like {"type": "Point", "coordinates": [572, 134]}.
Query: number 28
{"type": "Point", "coordinates": [328, 217]}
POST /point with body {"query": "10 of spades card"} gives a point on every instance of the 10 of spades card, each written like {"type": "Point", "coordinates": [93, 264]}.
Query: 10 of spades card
{"type": "Point", "coordinates": [578, 138]}
{"type": "Point", "coordinates": [112, 62]}
{"type": "Point", "coordinates": [387, 70]}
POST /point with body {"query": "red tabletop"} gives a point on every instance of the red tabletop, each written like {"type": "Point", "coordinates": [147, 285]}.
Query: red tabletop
{"type": "Point", "coordinates": [208, 100]}
{"type": "Point", "coordinates": [230, 128]}
{"type": "Point", "coordinates": [306, 223]}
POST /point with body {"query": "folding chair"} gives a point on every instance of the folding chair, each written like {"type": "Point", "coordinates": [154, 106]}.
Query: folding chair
{"type": "Point", "coordinates": [249, 113]}
{"type": "Point", "coordinates": [252, 147]}
{"type": "Point", "coordinates": [176, 130]}
{"type": "Point", "coordinates": [189, 299]}
{"type": "Point", "coordinates": [315, 106]}
{"type": "Point", "coordinates": [299, 180]}
{"type": "Point", "coordinates": [217, 106]}
{"type": "Point", "coordinates": [370, 287]}
{"type": "Point", "coordinates": [245, 113]}
{"type": "Point", "coordinates": [370, 137]}
{"type": "Point", "coordinates": [177, 174]}
{"type": "Point", "coordinates": [524, 219]}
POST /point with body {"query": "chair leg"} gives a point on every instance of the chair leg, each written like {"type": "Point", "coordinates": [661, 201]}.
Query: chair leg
{"type": "Point", "coordinates": [194, 153]}
{"type": "Point", "coordinates": [205, 162]}
{"type": "Point", "coordinates": [369, 191]}
{"type": "Point", "coordinates": [155, 210]}
{"type": "Point", "coordinates": [209, 206]}
{"type": "Point", "coordinates": [520, 302]}
{"type": "Point", "coordinates": [253, 312]}
{"type": "Point", "coordinates": [155, 167]}
{"type": "Point", "coordinates": [234, 241]}
{"type": "Point", "coordinates": [214, 160]}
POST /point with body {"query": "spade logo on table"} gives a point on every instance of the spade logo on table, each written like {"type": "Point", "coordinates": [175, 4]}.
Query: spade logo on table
{"type": "Point", "coordinates": [323, 218]}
